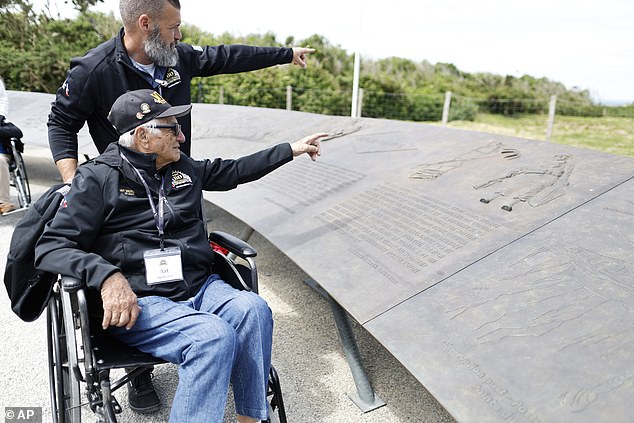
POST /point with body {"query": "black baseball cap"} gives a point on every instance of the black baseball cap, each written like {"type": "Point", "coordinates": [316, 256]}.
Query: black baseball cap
{"type": "Point", "coordinates": [135, 108]}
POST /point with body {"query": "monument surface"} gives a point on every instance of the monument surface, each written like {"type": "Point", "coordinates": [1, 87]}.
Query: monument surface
{"type": "Point", "coordinates": [29, 111]}
{"type": "Point", "coordinates": [496, 269]}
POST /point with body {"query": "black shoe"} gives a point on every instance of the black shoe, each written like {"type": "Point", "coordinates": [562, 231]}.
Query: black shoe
{"type": "Point", "coordinates": [141, 394]}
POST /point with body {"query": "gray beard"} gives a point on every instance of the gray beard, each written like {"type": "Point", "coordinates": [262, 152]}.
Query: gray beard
{"type": "Point", "coordinates": [160, 53]}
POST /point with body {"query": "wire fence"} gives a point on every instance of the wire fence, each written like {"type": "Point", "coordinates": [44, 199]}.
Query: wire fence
{"type": "Point", "coordinates": [442, 108]}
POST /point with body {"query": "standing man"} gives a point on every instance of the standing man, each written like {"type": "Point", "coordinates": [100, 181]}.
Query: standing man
{"type": "Point", "coordinates": [145, 54]}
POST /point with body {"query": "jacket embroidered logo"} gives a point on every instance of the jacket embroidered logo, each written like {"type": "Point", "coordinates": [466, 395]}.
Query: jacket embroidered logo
{"type": "Point", "coordinates": [180, 179]}
{"type": "Point", "coordinates": [172, 77]}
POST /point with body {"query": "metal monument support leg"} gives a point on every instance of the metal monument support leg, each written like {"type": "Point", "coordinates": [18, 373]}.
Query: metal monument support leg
{"type": "Point", "coordinates": [246, 233]}
{"type": "Point", "coordinates": [364, 398]}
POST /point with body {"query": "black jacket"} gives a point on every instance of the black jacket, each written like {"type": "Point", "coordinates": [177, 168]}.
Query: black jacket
{"type": "Point", "coordinates": [107, 223]}
{"type": "Point", "coordinates": [97, 79]}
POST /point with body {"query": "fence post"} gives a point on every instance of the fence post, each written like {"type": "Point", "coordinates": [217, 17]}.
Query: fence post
{"type": "Point", "coordinates": [360, 103]}
{"type": "Point", "coordinates": [355, 85]}
{"type": "Point", "coordinates": [289, 97]}
{"type": "Point", "coordinates": [221, 95]}
{"type": "Point", "coordinates": [551, 116]}
{"type": "Point", "coordinates": [445, 108]}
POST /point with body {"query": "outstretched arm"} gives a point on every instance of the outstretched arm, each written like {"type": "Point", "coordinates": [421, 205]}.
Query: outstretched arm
{"type": "Point", "coordinates": [225, 174]}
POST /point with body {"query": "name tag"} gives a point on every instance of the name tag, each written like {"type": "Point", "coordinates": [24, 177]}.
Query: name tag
{"type": "Point", "coordinates": [163, 266]}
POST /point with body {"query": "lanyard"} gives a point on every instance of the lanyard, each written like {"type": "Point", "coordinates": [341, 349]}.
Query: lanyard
{"type": "Point", "coordinates": [159, 218]}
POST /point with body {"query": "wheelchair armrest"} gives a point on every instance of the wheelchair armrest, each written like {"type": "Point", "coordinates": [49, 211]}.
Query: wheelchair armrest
{"type": "Point", "coordinates": [233, 244]}
{"type": "Point", "coordinates": [71, 284]}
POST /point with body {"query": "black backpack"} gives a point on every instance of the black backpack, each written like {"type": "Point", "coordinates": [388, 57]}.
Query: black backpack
{"type": "Point", "coordinates": [30, 289]}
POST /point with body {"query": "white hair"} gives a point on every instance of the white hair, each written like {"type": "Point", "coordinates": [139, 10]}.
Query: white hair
{"type": "Point", "coordinates": [127, 138]}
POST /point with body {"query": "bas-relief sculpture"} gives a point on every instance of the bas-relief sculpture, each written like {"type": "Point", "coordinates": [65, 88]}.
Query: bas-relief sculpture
{"type": "Point", "coordinates": [542, 330]}
{"type": "Point", "coordinates": [496, 269]}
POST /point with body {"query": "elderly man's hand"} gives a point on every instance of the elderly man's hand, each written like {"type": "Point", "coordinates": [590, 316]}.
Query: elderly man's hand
{"type": "Point", "coordinates": [299, 55]}
{"type": "Point", "coordinates": [120, 306]}
{"type": "Point", "coordinates": [309, 145]}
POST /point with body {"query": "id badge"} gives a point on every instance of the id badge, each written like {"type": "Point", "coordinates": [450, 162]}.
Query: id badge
{"type": "Point", "coordinates": [163, 266]}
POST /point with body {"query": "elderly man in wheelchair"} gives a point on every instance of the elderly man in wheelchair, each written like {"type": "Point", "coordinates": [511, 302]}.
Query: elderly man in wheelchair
{"type": "Point", "coordinates": [132, 229]}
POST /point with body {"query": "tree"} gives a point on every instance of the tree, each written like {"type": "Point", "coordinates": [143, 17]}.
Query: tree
{"type": "Point", "coordinates": [36, 49]}
{"type": "Point", "coordinates": [83, 5]}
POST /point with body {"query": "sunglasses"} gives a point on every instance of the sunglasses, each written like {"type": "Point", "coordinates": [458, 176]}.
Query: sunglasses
{"type": "Point", "coordinates": [175, 127]}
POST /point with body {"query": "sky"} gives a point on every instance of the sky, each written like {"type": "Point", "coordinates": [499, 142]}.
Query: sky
{"type": "Point", "coordinates": [583, 44]}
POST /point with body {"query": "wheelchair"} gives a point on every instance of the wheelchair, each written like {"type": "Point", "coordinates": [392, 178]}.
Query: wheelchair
{"type": "Point", "coordinates": [17, 171]}
{"type": "Point", "coordinates": [81, 355]}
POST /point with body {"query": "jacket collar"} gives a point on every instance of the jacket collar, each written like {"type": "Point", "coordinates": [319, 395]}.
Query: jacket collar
{"type": "Point", "coordinates": [121, 52]}
{"type": "Point", "coordinates": [142, 161]}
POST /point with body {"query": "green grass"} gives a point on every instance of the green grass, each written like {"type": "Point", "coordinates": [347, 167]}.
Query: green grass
{"type": "Point", "coordinates": [609, 134]}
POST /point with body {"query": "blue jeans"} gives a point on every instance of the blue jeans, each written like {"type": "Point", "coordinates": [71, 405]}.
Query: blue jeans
{"type": "Point", "coordinates": [221, 335]}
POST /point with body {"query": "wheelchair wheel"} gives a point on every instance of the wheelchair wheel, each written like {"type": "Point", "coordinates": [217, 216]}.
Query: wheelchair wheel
{"type": "Point", "coordinates": [64, 387]}
{"type": "Point", "coordinates": [19, 178]}
{"type": "Point", "coordinates": [277, 411]}
{"type": "Point", "coordinates": [273, 418]}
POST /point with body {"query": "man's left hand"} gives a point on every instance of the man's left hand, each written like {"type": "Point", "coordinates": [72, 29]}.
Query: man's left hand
{"type": "Point", "coordinates": [299, 55]}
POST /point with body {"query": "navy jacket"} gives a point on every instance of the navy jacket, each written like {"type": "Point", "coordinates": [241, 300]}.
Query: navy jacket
{"type": "Point", "coordinates": [97, 79]}
{"type": "Point", "coordinates": [107, 222]}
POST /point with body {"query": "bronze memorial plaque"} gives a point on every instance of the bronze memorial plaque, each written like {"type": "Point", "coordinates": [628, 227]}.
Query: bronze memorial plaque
{"type": "Point", "coordinates": [496, 269]}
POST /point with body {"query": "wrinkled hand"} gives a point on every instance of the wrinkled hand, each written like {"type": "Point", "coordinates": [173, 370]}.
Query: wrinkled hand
{"type": "Point", "coordinates": [299, 55]}
{"type": "Point", "coordinates": [309, 145]}
{"type": "Point", "coordinates": [120, 306]}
